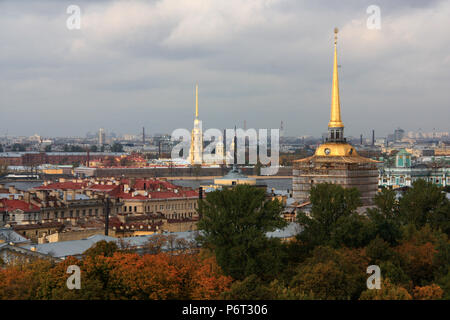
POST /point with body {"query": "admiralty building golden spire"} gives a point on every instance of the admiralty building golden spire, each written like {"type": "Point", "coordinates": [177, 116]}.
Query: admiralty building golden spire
{"type": "Point", "coordinates": [335, 161]}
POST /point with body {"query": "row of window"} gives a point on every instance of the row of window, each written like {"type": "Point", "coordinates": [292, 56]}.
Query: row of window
{"type": "Point", "coordinates": [179, 215]}
{"type": "Point", "coordinates": [151, 208]}
{"type": "Point", "coordinates": [72, 213]}
{"type": "Point", "coordinates": [401, 180]}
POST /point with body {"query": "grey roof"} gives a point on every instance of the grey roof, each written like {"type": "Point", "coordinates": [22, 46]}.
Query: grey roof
{"type": "Point", "coordinates": [64, 249]}
{"type": "Point", "coordinates": [69, 248]}
{"type": "Point", "coordinates": [23, 250]}
{"type": "Point", "coordinates": [291, 230]}
{"type": "Point", "coordinates": [9, 235]}
{"type": "Point", "coordinates": [140, 241]}
{"type": "Point", "coordinates": [75, 248]}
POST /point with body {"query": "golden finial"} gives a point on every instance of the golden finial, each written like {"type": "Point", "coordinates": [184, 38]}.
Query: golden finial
{"type": "Point", "coordinates": [336, 30]}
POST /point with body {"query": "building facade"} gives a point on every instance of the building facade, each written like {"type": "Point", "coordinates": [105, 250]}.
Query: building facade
{"type": "Point", "coordinates": [403, 173]}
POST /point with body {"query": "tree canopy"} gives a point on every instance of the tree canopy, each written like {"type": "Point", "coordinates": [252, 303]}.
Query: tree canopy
{"type": "Point", "coordinates": [234, 224]}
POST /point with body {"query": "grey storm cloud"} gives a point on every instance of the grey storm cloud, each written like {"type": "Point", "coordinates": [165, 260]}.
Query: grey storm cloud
{"type": "Point", "coordinates": [135, 63]}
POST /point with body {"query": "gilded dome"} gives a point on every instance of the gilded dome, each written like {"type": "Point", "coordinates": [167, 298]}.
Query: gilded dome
{"type": "Point", "coordinates": [331, 149]}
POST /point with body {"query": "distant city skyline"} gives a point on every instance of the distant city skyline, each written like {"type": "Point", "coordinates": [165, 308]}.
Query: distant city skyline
{"type": "Point", "coordinates": [135, 64]}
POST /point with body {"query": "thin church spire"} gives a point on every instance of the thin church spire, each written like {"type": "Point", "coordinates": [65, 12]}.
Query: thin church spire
{"type": "Point", "coordinates": [196, 101]}
{"type": "Point", "coordinates": [335, 117]}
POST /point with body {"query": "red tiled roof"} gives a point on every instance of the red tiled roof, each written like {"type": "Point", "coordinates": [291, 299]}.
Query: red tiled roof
{"type": "Point", "coordinates": [67, 185]}
{"type": "Point", "coordinates": [108, 188]}
{"type": "Point", "coordinates": [151, 184]}
{"type": "Point", "coordinates": [19, 204]}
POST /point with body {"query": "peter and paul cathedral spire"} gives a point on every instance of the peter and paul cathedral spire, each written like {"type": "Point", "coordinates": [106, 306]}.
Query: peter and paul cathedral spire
{"type": "Point", "coordinates": [196, 150]}
{"type": "Point", "coordinates": [196, 101]}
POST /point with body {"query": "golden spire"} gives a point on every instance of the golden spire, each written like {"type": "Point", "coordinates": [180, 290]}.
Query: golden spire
{"type": "Point", "coordinates": [335, 117]}
{"type": "Point", "coordinates": [196, 101]}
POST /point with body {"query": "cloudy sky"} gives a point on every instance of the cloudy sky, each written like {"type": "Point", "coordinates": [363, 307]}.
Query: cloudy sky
{"type": "Point", "coordinates": [135, 63]}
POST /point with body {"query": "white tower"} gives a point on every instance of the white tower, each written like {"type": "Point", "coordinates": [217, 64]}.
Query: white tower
{"type": "Point", "coordinates": [196, 150]}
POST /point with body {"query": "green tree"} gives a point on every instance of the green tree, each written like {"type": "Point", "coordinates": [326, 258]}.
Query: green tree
{"type": "Point", "coordinates": [253, 288]}
{"type": "Point", "coordinates": [18, 147]}
{"type": "Point", "coordinates": [388, 291]}
{"type": "Point", "coordinates": [93, 148]}
{"type": "Point", "coordinates": [331, 274]}
{"type": "Point", "coordinates": [385, 216]}
{"type": "Point", "coordinates": [332, 206]}
{"type": "Point", "coordinates": [379, 250]}
{"type": "Point", "coordinates": [234, 224]}
{"type": "Point", "coordinates": [116, 147]}
{"type": "Point", "coordinates": [353, 231]}
{"type": "Point", "coordinates": [103, 248]}
{"type": "Point", "coordinates": [425, 203]}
